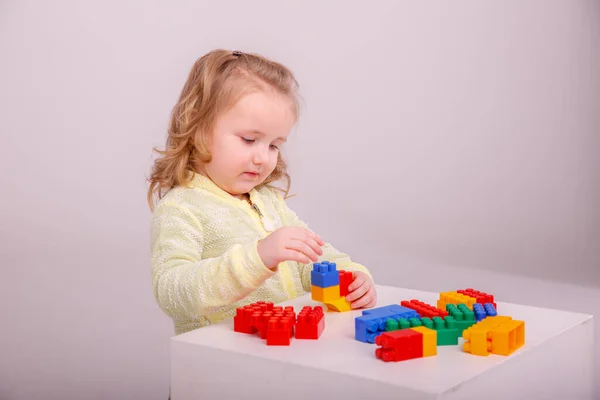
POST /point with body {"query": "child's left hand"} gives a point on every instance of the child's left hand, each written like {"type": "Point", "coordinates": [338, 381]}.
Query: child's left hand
{"type": "Point", "coordinates": [361, 292]}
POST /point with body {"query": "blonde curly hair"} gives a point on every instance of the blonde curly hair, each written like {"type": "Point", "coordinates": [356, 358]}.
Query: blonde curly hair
{"type": "Point", "coordinates": [215, 83]}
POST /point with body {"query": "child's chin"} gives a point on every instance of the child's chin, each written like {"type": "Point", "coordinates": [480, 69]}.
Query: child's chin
{"type": "Point", "coordinates": [242, 189]}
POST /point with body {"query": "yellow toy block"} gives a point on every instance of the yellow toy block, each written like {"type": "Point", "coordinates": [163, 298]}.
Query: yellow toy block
{"type": "Point", "coordinates": [508, 337]}
{"type": "Point", "coordinates": [455, 298]}
{"type": "Point", "coordinates": [494, 335]}
{"type": "Point", "coordinates": [476, 336]}
{"type": "Point", "coordinates": [324, 295]}
{"type": "Point", "coordinates": [340, 305]}
{"type": "Point", "coordinates": [429, 340]}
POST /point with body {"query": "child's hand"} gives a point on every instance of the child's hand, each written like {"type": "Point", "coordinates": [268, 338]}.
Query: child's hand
{"type": "Point", "coordinates": [290, 243]}
{"type": "Point", "coordinates": [361, 292]}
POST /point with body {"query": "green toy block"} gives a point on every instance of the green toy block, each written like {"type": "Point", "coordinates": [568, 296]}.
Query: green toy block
{"type": "Point", "coordinates": [393, 324]}
{"type": "Point", "coordinates": [463, 317]}
{"type": "Point", "coordinates": [447, 332]}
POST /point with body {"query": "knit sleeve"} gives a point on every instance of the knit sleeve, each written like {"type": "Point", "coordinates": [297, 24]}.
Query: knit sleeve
{"type": "Point", "coordinates": [330, 253]}
{"type": "Point", "coordinates": [185, 284]}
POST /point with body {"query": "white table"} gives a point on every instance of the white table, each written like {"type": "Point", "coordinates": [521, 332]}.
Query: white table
{"type": "Point", "coordinates": [217, 363]}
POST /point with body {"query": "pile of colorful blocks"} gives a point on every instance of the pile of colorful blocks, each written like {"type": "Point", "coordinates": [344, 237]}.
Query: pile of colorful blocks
{"type": "Point", "coordinates": [278, 325]}
{"type": "Point", "coordinates": [413, 329]}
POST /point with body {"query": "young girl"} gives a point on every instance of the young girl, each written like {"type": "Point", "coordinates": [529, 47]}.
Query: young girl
{"type": "Point", "coordinates": [222, 235]}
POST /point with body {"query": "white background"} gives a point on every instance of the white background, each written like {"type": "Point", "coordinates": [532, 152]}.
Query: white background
{"type": "Point", "coordinates": [441, 144]}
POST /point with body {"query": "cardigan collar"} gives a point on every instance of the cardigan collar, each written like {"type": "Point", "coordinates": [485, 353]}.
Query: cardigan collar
{"type": "Point", "coordinates": [199, 181]}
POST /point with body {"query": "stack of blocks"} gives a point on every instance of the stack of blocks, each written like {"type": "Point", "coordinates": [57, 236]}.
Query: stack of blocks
{"type": "Point", "coordinates": [330, 286]}
{"type": "Point", "coordinates": [276, 324]}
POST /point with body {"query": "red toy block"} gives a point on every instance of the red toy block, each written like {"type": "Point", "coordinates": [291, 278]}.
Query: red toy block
{"type": "Point", "coordinates": [310, 323]}
{"type": "Point", "coordinates": [260, 320]}
{"type": "Point", "coordinates": [424, 309]}
{"type": "Point", "coordinates": [254, 317]}
{"type": "Point", "coordinates": [242, 321]}
{"type": "Point", "coordinates": [480, 297]}
{"type": "Point", "coordinates": [404, 344]}
{"type": "Point", "coordinates": [280, 330]}
{"type": "Point", "coordinates": [346, 279]}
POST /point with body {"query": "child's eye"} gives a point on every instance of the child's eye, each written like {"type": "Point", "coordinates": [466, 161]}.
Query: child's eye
{"type": "Point", "coordinates": [247, 140]}
{"type": "Point", "coordinates": [274, 147]}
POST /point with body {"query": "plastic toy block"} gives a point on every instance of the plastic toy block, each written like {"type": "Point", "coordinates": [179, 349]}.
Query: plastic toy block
{"type": "Point", "coordinates": [463, 317]}
{"type": "Point", "coordinates": [260, 319]}
{"type": "Point", "coordinates": [326, 294]}
{"type": "Point", "coordinates": [478, 337]}
{"type": "Point", "coordinates": [424, 310]}
{"type": "Point", "coordinates": [447, 332]}
{"type": "Point", "coordinates": [480, 297]}
{"type": "Point", "coordinates": [495, 335]}
{"type": "Point", "coordinates": [393, 324]}
{"type": "Point", "coordinates": [324, 274]}
{"type": "Point", "coordinates": [429, 340]}
{"type": "Point", "coordinates": [339, 305]}
{"type": "Point", "coordinates": [490, 309]}
{"type": "Point", "coordinates": [373, 322]}
{"type": "Point", "coordinates": [310, 323]}
{"type": "Point", "coordinates": [280, 331]}
{"type": "Point", "coordinates": [454, 298]}
{"type": "Point", "coordinates": [242, 321]}
{"type": "Point", "coordinates": [399, 345]}
{"type": "Point", "coordinates": [479, 312]}
{"type": "Point", "coordinates": [508, 337]}
{"type": "Point", "coordinates": [255, 317]}
{"type": "Point", "coordinates": [484, 310]}
{"type": "Point", "coordinates": [346, 278]}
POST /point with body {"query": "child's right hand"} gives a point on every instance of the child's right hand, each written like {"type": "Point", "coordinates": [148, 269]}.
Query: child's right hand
{"type": "Point", "coordinates": [290, 243]}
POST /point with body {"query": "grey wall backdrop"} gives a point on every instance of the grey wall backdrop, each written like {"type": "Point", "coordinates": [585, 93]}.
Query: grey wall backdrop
{"type": "Point", "coordinates": [443, 144]}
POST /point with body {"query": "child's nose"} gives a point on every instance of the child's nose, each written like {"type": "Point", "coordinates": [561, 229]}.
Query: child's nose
{"type": "Point", "coordinates": [261, 156]}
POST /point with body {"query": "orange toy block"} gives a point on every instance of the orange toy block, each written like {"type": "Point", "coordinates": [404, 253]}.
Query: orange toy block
{"type": "Point", "coordinates": [455, 298]}
{"type": "Point", "coordinates": [494, 335]}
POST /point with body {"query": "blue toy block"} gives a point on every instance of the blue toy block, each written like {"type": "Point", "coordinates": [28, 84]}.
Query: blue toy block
{"type": "Point", "coordinates": [490, 310]}
{"type": "Point", "coordinates": [324, 275]}
{"type": "Point", "coordinates": [479, 312]}
{"type": "Point", "coordinates": [482, 311]}
{"type": "Point", "coordinates": [373, 322]}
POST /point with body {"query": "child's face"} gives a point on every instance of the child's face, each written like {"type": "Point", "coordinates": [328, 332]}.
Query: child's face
{"type": "Point", "coordinates": [247, 139]}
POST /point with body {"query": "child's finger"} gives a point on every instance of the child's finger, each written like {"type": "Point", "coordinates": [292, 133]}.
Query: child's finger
{"type": "Point", "coordinates": [317, 238]}
{"type": "Point", "coordinates": [358, 280]}
{"type": "Point", "coordinates": [371, 303]}
{"type": "Point", "coordinates": [304, 248]}
{"type": "Point", "coordinates": [357, 293]}
{"type": "Point", "coordinates": [304, 234]}
{"type": "Point", "coordinates": [363, 301]}
{"type": "Point", "coordinates": [295, 255]}
{"type": "Point", "coordinates": [314, 245]}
